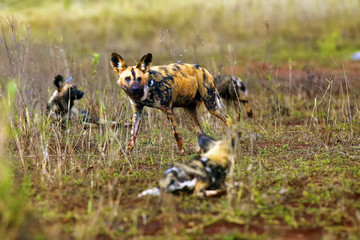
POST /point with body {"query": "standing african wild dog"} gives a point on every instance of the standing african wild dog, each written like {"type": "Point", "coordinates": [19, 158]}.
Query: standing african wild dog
{"type": "Point", "coordinates": [61, 104]}
{"type": "Point", "coordinates": [233, 89]}
{"type": "Point", "coordinates": [165, 87]}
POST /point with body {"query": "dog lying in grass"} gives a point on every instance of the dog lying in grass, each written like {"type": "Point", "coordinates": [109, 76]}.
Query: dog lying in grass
{"type": "Point", "coordinates": [233, 89]}
{"type": "Point", "coordinates": [204, 172]}
{"type": "Point", "coordinates": [204, 175]}
{"type": "Point", "coordinates": [61, 105]}
{"type": "Point", "coordinates": [165, 87]}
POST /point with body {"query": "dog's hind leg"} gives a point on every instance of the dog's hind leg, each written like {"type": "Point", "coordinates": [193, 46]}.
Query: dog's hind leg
{"type": "Point", "coordinates": [170, 116]}
{"type": "Point", "coordinates": [244, 100]}
{"type": "Point", "coordinates": [248, 108]}
{"type": "Point", "coordinates": [237, 109]}
{"type": "Point", "coordinates": [191, 113]}
{"type": "Point", "coordinates": [200, 188]}
{"type": "Point", "coordinates": [210, 96]}
{"type": "Point", "coordinates": [242, 95]}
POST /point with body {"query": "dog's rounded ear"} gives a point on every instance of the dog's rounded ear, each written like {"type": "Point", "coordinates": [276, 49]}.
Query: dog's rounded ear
{"type": "Point", "coordinates": [58, 81]}
{"type": "Point", "coordinates": [206, 142]}
{"type": "Point", "coordinates": [145, 63]}
{"type": "Point", "coordinates": [117, 63]}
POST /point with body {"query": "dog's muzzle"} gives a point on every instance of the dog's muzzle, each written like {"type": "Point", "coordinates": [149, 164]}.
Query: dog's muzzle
{"type": "Point", "coordinates": [79, 95]}
{"type": "Point", "coordinates": [135, 88]}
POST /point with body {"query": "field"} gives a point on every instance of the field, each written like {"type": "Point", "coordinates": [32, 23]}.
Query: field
{"type": "Point", "coordinates": [297, 168]}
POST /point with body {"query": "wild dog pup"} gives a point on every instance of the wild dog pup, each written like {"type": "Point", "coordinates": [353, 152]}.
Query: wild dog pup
{"type": "Point", "coordinates": [204, 172]}
{"type": "Point", "coordinates": [61, 104]}
{"type": "Point", "coordinates": [165, 87]}
{"type": "Point", "coordinates": [233, 89]}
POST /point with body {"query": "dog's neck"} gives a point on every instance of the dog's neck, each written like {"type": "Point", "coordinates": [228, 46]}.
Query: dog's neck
{"type": "Point", "coordinates": [60, 105]}
{"type": "Point", "coordinates": [146, 93]}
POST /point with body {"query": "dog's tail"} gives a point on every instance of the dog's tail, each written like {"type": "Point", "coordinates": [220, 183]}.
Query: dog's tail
{"type": "Point", "coordinates": [87, 118]}
{"type": "Point", "coordinates": [106, 122]}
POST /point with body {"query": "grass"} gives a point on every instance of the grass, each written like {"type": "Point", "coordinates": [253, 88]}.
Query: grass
{"type": "Point", "coordinates": [305, 30]}
{"type": "Point", "coordinates": [296, 173]}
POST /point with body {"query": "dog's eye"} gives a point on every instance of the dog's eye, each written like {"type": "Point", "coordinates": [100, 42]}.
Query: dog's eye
{"type": "Point", "coordinates": [139, 79]}
{"type": "Point", "coordinates": [127, 79]}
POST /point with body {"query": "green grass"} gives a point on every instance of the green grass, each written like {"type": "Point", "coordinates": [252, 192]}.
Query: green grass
{"type": "Point", "coordinates": [296, 172]}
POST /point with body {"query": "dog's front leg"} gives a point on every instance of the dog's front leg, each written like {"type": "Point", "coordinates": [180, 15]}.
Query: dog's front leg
{"type": "Point", "coordinates": [178, 138]}
{"type": "Point", "coordinates": [136, 121]}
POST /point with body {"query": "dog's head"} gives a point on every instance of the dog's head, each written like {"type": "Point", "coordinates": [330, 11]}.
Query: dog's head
{"type": "Point", "coordinates": [66, 93]}
{"type": "Point", "coordinates": [67, 89]}
{"type": "Point", "coordinates": [132, 79]}
{"type": "Point", "coordinates": [218, 153]}
{"type": "Point", "coordinates": [237, 82]}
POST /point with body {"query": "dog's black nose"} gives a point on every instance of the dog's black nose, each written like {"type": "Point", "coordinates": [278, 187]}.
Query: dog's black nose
{"type": "Point", "coordinates": [78, 95]}
{"type": "Point", "coordinates": [135, 88]}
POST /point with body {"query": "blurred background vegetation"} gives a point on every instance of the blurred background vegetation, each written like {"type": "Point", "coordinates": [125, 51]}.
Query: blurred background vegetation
{"type": "Point", "coordinates": [261, 30]}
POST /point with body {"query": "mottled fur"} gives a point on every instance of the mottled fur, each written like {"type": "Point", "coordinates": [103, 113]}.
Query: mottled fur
{"type": "Point", "coordinates": [165, 87]}
{"type": "Point", "coordinates": [232, 89]}
{"type": "Point", "coordinates": [204, 172]}
{"type": "Point", "coordinates": [61, 104]}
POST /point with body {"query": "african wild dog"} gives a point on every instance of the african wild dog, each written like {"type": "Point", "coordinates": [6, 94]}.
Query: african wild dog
{"type": "Point", "coordinates": [204, 172]}
{"type": "Point", "coordinates": [165, 87]}
{"type": "Point", "coordinates": [61, 105]}
{"type": "Point", "coordinates": [233, 89]}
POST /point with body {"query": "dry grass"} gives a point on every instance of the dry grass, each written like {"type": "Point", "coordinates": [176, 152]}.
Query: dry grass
{"type": "Point", "coordinates": [296, 173]}
{"type": "Point", "coordinates": [181, 30]}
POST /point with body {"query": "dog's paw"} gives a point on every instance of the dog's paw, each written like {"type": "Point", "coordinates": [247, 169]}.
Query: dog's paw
{"type": "Point", "coordinates": [228, 121]}
{"type": "Point", "coordinates": [127, 152]}
{"type": "Point", "coordinates": [182, 152]}
{"type": "Point", "coordinates": [197, 148]}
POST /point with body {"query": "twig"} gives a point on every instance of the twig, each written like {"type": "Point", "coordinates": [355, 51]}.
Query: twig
{"type": "Point", "coordinates": [328, 111]}
{"type": "Point", "coordinates": [348, 100]}
{"type": "Point", "coordinates": [11, 63]}
{"type": "Point", "coordinates": [12, 27]}
{"type": "Point", "coordinates": [262, 127]}
{"type": "Point", "coordinates": [290, 77]}
{"type": "Point", "coordinates": [347, 93]}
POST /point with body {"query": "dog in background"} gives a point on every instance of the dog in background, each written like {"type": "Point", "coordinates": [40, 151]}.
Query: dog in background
{"type": "Point", "coordinates": [204, 172]}
{"type": "Point", "coordinates": [233, 89]}
{"type": "Point", "coordinates": [165, 87]}
{"type": "Point", "coordinates": [61, 105]}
